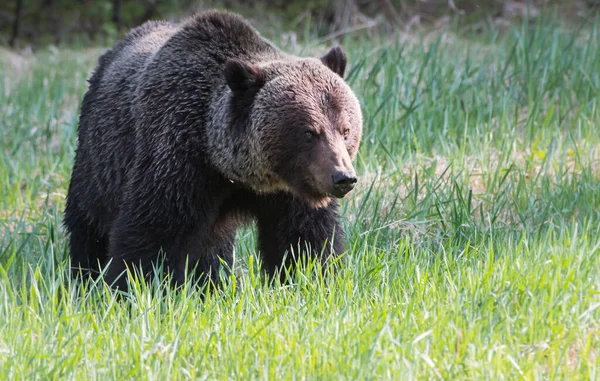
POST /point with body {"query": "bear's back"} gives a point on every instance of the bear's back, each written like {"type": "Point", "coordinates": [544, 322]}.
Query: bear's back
{"type": "Point", "coordinates": [113, 84]}
{"type": "Point", "coordinates": [130, 56]}
{"type": "Point", "coordinates": [225, 33]}
{"type": "Point", "coordinates": [106, 113]}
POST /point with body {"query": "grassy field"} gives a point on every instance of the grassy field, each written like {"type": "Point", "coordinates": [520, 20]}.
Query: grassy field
{"type": "Point", "coordinates": [473, 238]}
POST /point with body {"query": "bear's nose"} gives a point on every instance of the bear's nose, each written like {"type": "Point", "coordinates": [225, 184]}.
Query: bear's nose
{"type": "Point", "coordinates": [343, 182]}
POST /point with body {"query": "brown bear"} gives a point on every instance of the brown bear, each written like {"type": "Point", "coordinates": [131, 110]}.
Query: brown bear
{"type": "Point", "coordinates": [188, 131]}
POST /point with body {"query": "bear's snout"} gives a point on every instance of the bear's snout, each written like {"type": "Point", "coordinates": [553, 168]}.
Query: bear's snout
{"type": "Point", "coordinates": [343, 182]}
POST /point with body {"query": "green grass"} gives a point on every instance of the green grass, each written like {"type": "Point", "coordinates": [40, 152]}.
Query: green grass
{"type": "Point", "coordinates": [473, 238]}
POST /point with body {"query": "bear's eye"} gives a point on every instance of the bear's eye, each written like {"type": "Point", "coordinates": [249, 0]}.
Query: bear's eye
{"type": "Point", "coordinates": [346, 132]}
{"type": "Point", "coordinates": [310, 134]}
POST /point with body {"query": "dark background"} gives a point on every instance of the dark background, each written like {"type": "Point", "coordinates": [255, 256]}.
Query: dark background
{"type": "Point", "coordinates": [37, 23]}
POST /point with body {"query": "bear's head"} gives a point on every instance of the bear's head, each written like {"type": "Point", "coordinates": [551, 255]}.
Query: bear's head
{"type": "Point", "coordinates": [303, 124]}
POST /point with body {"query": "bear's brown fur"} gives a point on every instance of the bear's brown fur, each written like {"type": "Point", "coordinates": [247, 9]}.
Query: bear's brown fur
{"type": "Point", "coordinates": [189, 130]}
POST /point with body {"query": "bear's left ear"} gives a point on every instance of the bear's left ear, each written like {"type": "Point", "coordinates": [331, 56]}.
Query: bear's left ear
{"type": "Point", "coordinates": [336, 60]}
{"type": "Point", "coordinates": [242, 76]}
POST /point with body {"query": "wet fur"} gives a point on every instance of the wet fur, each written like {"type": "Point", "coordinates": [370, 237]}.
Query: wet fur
{"type": "Point", "coordinates": [170, 160]}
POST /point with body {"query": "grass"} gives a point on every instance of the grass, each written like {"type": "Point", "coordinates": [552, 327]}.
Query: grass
{"type": "Point", "coordinates": [474, 237]}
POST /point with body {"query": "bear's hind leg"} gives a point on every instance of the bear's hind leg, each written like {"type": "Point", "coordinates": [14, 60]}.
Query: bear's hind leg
{"type": "Point", "coordinates": [87, 248]}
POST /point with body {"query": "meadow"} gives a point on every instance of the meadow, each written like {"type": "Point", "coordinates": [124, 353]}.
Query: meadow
{"type": "Point", "coordinates": [473, 236]}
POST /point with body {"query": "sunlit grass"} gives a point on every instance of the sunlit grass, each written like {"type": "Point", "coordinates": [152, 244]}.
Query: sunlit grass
{"type": "Point", "coordinates": [473, 238]}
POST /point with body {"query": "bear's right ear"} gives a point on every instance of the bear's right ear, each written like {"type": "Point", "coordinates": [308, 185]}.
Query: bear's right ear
{"type": "Point", "coordinates": [336, 60]}
{"type": "Point", "coordinates": [242, 76]}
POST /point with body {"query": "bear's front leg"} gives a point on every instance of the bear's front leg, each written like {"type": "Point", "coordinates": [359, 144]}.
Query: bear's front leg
{"type": "Point", "coordinates": [202, 254]}
{"type": "Point", "coordinates": [134, 246]}
{"type": "Point", "coordinates": [288, 227]}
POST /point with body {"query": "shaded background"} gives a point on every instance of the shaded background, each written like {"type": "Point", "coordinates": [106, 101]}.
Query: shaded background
{"type": "Point", "coordinates": [42, 22]}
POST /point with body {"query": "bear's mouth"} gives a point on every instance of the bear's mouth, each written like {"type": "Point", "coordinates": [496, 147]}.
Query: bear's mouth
{"type": "Point", "coordinates": [317, 201]}
{"type": "Point", "coordinates": [339, 194]}
{"type": "Point", "coordinates": [306, 188]}
{"type": "Point", "coordinates": [315, 196]}
{"type": "Point", "coordinates": [317, 192]}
